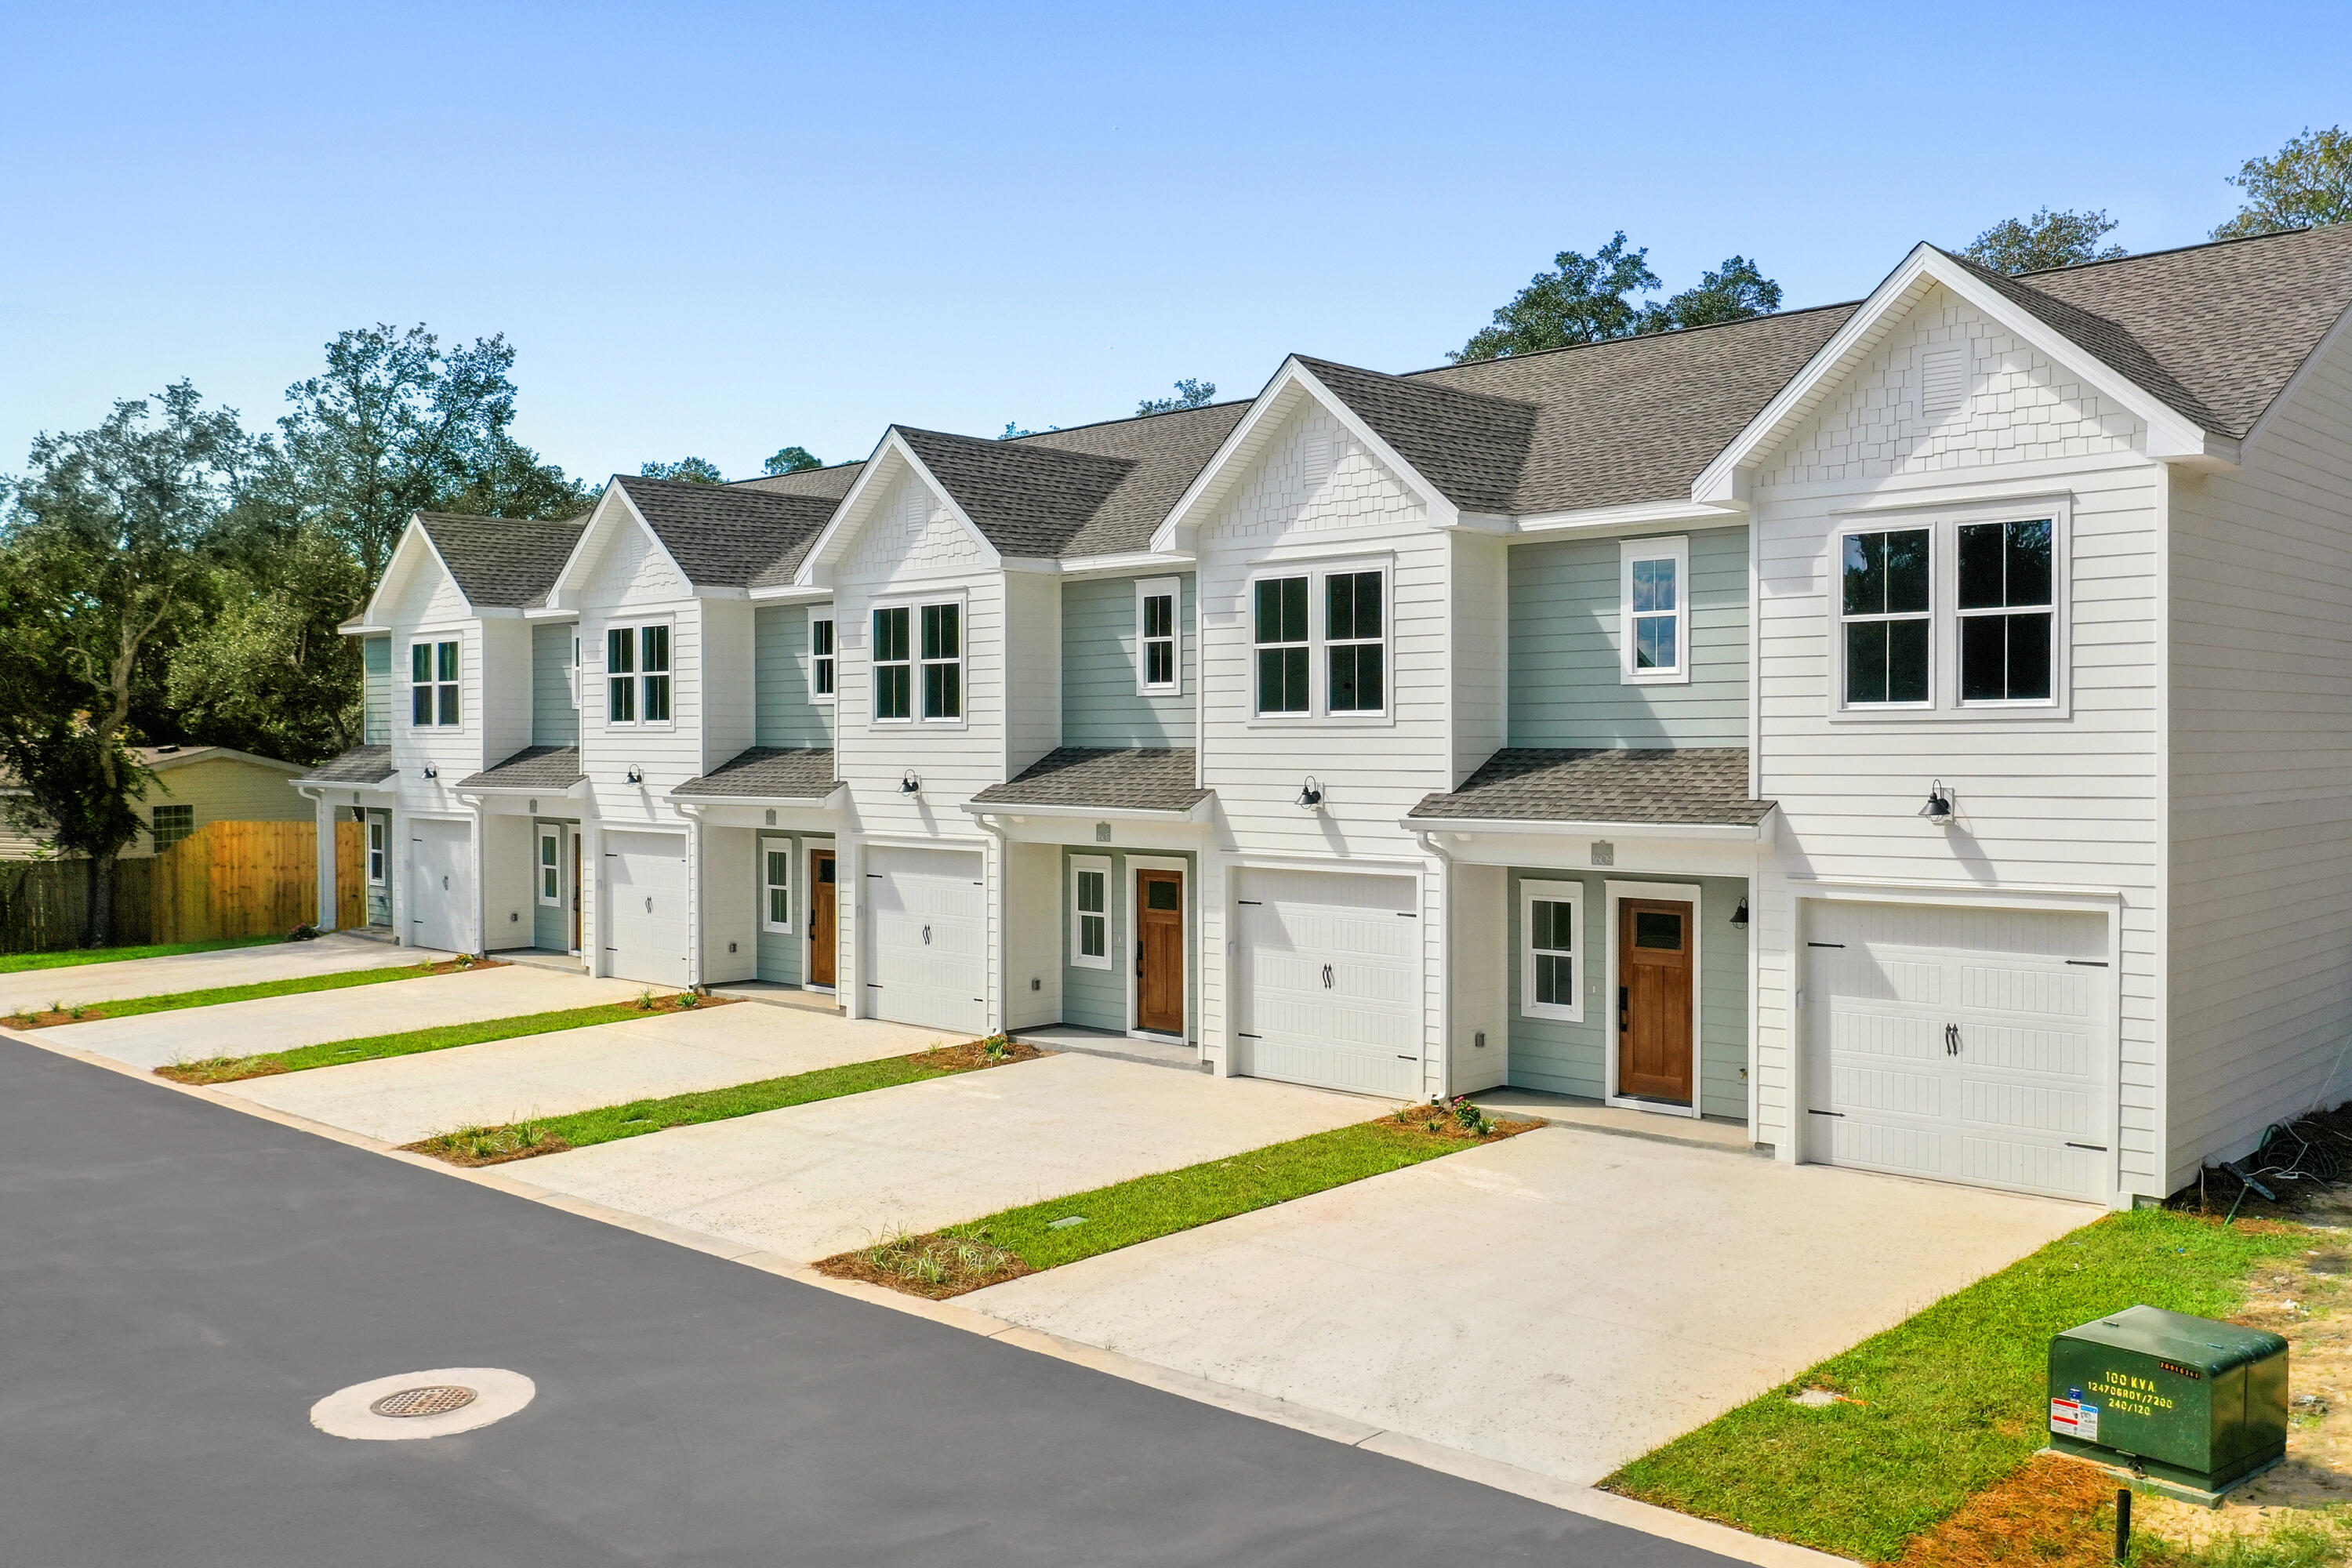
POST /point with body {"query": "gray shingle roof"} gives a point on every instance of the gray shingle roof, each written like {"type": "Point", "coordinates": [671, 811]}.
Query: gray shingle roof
{"type": "Point", "coordinates": [730, 536]}
{"type": "Point", "coordinates": [361, 765]}
{"type": "Point", "coordinates": [1129, 778]}
{"type": "Point", "coordinates": [768, 772]}
{"type": "Point", "coordinates": [830, 483]}
{"type": "Point", "coordinates": [534, 767]}
{"type": "Point", "coordinates": [501, 563]}
{"type": "Point", "coordinates": [1694, 787]}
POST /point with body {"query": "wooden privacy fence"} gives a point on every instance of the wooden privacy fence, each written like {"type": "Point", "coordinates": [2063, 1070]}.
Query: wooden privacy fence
{"type": "Point", "coordinates": [44, 904]}
{"type": "Point", "coordinates": [226, 879]}
{"type": "Point", "coordinates": [350, 874]}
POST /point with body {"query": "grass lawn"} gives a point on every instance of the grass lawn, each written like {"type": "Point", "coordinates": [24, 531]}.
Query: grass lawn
{"type": "Point", "coordinates": [1013, 1242]}
{"type": "Point", "coordinates": [335, 1052]}
{"type": "Point", "coordinates": [1949, 1403]}
{"type": "Point", "coordinates": [18, 962]}
{"type": "Point", "coordinates": [131, 1007]}
{"type": "Point", "coordinates": [553, 1134]}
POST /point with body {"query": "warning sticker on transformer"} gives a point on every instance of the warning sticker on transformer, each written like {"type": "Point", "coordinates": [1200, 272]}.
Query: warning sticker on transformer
{"type": "Point", "coordinates": [2075, 1418]}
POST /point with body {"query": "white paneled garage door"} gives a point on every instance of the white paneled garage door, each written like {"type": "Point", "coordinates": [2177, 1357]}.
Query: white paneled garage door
{"type": "Point", "coordinates": [441, 885]}
{"type": "Point", "coordinates": [645, 907]}
{"type": "Point", "coordinates": [1329, 980]}
{"type": "Point", "coordinates": [1964, 1045]}
{"type": "Point", "coordinates": [926, 938]}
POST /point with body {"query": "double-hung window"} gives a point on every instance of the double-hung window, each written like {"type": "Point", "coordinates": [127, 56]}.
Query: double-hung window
{"type": "Point", "coordinates": [776, 884]}
{"type": "Point", "coordinates": [1356, 648]}
{"type": "Point", "coordinates": [1550, 970]}
{"type": "Point", "coordinates": [1284, 645]}
{"type": "Point", "coordinates": [1654, 610]}
{"type": "Point", "coordinates": [821, 657]}
{"type": "Point", "coordinates": [1156, 636]}
{"type": "Point", "coordinates": [433, 683]}
{"type": "Point", "coordinates": [378, 831]}
{"type": "Point", "coordinates": [1090, 911]}
{"type": "Point", "coordinates": [942, 661]}
{"type": "Point", "coordinates": [1886, 614]}
{"type": "Point", "coordinates": [637, 675]}
{"type": "Point", "coordinates": [551, 864]}
{"type": "Point", "coordinates": [893, 679]}
{"type": "Point", "coordinates": [1320, 641]}
{"type": "Point", "coordinates": [918, 663]}
{"type": "Point", "coordinates": [2005, 610]}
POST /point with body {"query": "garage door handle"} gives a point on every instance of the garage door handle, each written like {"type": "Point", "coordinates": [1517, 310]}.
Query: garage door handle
{"type": "Point", "coordinates": [1326, 977]}
{"type": "Point", "coordinates": [445, 884]}
{"type": "Point", "coordinates": [1951, 1040]}
{"type": "Point", "coordinates": [927, 936]}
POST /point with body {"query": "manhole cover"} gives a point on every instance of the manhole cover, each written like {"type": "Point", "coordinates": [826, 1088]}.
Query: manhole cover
{"type": "Point", "coordinates": [436, 1400]}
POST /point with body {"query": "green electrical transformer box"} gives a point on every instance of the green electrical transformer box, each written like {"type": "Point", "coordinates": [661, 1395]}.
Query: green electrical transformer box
{"type": "Point", "coordinates": [2194, 1405]}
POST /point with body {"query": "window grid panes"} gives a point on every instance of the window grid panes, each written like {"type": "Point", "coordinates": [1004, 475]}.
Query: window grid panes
{"type": "Point", "coordinates": [444, 670]}
{"type": "Point", "coordinates": [551, 873]}
{"type": "Point", "coordinates": [620, 676]}
{"type": "Point", "coordinates": [2006, 568]}
{"type": "Point", "coordinates": [170, 824]}
{"type": "Point", "coordinates": [375, 851]}
{"type": "Point", "coordinates": [776, 873]}
{"type": "Point", "coordinates": [1090, 909]}
{"type": "Point", "coordinates": [821, 657]}
{"type": "Point", "coordinates": [1158, 636]}
{"type": "Point", "coordinates": [1352, 629]}
{"type": "Point", "coordinates": [942, 661]}
{"type": "Point", "coordinates": [1656, 608]}
{"type": "Point", "coordinates": [1279, 630]}
{"type": "Point", "coordinates": [433, 683]}
{"type": "Point", "coordinates": [893, 672]}
{"type": "Point", "coordinates": [653, 644]}
{"type": "Point", "coordinates": [1887, 607]}
{"type": "Point", "coordinates": [1551, 944]}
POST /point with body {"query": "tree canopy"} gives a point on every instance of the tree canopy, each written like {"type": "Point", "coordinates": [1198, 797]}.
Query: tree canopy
{"type": "Point", "coordinates": [2045, 240]}
{"type": "Point", "coordinates": [790, 460]}
{"type": "Point", "coordinates": [1588, 299]}
{"type": "Point", "coordinates": [2305, 183]}
{"type": "Point", "coordinates": [1191, 392]}
{"type": "Point", "coordinates": [692, 470]}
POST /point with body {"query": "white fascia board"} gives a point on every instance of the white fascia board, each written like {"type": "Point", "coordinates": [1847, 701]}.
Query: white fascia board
{"type": "Point", "coordinates": [576, 788]}
{"type": "Point", "coordinates": [615, 504]}
{"type": "Point", "coordinates": [851, 515]}
{"type": "Point", "coordinates": [831, 800]}
{"type": "Point", "coordinates": [1632, 515]}
{"type": "Point", "coordinates": [2170, 435]}
{"type": "Point", "coordinates": [550, 613]}
{"type": "Point", "coordinates": [1197, 812]}
{"type": "Point", "coordinates": [790, 593]}
{"type": "Point", "coordinates": [360, 629]}
{"type": "Point", "coordinates": [387, 785]}
{"type": "Point", "coordinates": [1273, 405]}
{"type": "Point", "coordinates": [1472, 827]}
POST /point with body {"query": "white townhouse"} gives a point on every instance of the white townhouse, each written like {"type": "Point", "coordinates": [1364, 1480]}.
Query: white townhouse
{"type": "Point", "coordinates": [1914, 729]}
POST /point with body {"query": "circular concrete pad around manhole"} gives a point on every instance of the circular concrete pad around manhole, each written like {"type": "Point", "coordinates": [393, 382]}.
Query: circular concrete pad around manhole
{"type": "Point", "coordinates": [434, 1404]}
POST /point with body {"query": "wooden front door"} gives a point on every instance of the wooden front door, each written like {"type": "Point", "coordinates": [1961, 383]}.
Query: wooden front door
{"type": "Point", "coordinates": [573, 834]}
{"type": "Point", "coordinates": [1654, 999]}
{"type": "Point", "coordinates": [821, 943]}
{"type": "Point", "coordinates": [1159, 951]}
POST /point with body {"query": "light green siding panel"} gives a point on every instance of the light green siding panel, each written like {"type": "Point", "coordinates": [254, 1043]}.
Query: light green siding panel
{"type": "Point", "coordinates": [1100, 706]}
{"type": "Point", "coordinates": [375, 712]}
{"type": "Point", "coordinates": [1097, 998]}
{"type": "Point", "coordinates": [1561, 1058]}
{"type": "Point", "coordinates": [551, 924]}
{"type": "Point", "coordinates": [1565, 682]}
{"type": "Point", "coordinates": [785, 714]}
{"type": "Point", "coordinates": [780, 952]}
{"type": "Point", "coordinates": [554, 722]}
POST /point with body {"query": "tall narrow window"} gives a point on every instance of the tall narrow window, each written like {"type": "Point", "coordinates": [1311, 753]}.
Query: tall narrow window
{"type": "Point", "coordinates": [1885, 609]}
{"type": "Point", "coordinates": [378, 830]}
{"type": "Point", "coordinates": [2005, 609]}
{"type": "Point", "coordinates": [444, 670]}
{"type": "Point", "coordinates": [776, 884]}
{"type": "Point", "coordinates": [893, 672]}
{"type": "Point", "coordinates": [942, 661]}
{"type": "Point", "coordinates": [653, 644]}
{"type": "Point", "coordinates": [551, 864]}
{"type": "Point", "coordinates": [1356, 646]}
{"type": "Point", "coordinates": [1548, 980]}
{"type": "Point", "coordinates": [1655, 615]}
{"type": "Point", "coordinates": [1090, 911]}
{"type": "Point", "coordinates": [620, 676]}
{"type": "Point", "coordinates": [433, 683]}
{"type": "Point", "coordinates": [1279, 631]}
{"type": "Point", "coordinates": [821, 657]}
{"type": "Point", "coordinates": [1156, 636]}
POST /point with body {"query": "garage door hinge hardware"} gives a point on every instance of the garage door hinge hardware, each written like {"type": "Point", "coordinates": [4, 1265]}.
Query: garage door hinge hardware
{"type": "Point", "coordinates": [2095, 1148]}
{"type": "Point", "coordinates": [1406, 915]}
{"type": "Point", "coordinates": [2088, 962]}
{"type": "Point", "coordinates": [1824, 944]}
{"type": "Point", "coordinates": [1839, 1114]}
{"type": "Point", "coordinates": [1252, 901]}
{"type": "Point", "coordinates": [1246, 1036]}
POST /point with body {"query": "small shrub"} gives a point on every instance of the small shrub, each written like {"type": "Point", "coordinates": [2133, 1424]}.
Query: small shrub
{"type": "Point", "coordinates": [646, 1001]}
{"type": "Point", "coordinates": [690, 999]}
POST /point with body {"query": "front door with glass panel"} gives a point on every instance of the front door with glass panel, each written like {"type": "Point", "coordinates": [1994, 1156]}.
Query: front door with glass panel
{"type": "Point", "coordinates": [1159, 951]}
{"type": "Point", "coordinates": [1653, 1000]}
{"type": "Point", "coordinates": [821, 939]}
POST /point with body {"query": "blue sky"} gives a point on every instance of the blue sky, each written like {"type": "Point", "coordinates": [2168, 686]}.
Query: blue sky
{"type": "Point", "coordinates": [717, 229]}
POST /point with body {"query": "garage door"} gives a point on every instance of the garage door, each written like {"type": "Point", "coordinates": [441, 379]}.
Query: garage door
{"type": "Point", "coordinates": [645, 907]}
{"type": "Point", "coordinates": [926, 938]}
{"type": "Point", "coordinates": [441, 886]}
{"type": "Point", "coordinates": [1961, 1045]}
{"type": "Point", "coordinates": [1329, 980]}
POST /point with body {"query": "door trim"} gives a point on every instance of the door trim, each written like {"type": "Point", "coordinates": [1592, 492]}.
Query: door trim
{"type": "Point", "coordinates": [1615, 892]}
{"type": "Point", "coordinates": [810, 849]}
{"type": "Point", "coordinates": [1126, 879]}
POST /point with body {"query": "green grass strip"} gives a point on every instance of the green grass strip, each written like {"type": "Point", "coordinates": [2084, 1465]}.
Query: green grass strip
{"type": "Point", "coordinates": [583, 1128]}
{"type": "Point", "coordinates": [335, 1052]}
{"type": "Point", "coordinates": [1127, 1212]}
{"type": "Point", "coordinates": [133, 1007]}
{"type": "Point", "coordinates": [18, 962]}
{"type": "Point", "coordinates": [1952, 1400]}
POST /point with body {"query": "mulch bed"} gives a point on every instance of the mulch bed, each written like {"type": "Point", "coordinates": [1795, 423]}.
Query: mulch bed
{"type": "Point", "coordinates": [487, 1146]}
{"type": "Point", "coordinates": [2050, 1512]}
{"type": "Point", "coordinates": [934, 1267]}
{"type": "Point", "coordinates": [1441, 1122]}
{"type": "Point", "coordinates": [975, 1053]}
{"type": "Point", "coordinates": [97, 1010]}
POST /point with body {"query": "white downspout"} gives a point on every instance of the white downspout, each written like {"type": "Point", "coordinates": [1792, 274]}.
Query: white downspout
{"type": "Point", "coordinates": [1444, 962]}
{"type": "Point", "coordinates": [1000, 997]}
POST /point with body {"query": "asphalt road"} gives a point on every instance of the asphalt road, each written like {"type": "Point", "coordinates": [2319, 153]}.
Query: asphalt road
{"type": "Point", "coordinates": [179, 1282]}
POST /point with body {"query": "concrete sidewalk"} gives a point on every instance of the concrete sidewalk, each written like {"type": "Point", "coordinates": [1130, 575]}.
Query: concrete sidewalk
{"type": "Point", "coordinates": [201, 971]}
{"type": "Point", "coordinates": [402, 1098]}
{"type": "Point", "coordinates": [814, 1180]}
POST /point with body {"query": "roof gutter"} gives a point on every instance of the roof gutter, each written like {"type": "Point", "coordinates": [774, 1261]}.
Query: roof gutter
{"type": "Point", "coordinates": [1196, 812]}
{"type": "Point", "coordinates": [1706, 832]}
{"type": "Point", "coordinates": [830, 800]}
{"type": "Point", "coordinates": [574, 790]}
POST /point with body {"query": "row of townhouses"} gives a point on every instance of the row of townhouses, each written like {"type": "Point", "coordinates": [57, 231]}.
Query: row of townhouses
{"type": "Point", "coordinates": [1914, 729]}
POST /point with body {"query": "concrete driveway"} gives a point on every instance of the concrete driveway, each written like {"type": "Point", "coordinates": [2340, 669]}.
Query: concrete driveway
{"type": "Point", "coordinates": [201, 971]}
{"type": "Point", "coordinates": [402, 1098]}
{"type": "Point", "coordinates": [814, 1180]}
{"type": "Point", "coordinates": [314, 1018]}
{"type": "Point", "coordinates": [1564, 1302]}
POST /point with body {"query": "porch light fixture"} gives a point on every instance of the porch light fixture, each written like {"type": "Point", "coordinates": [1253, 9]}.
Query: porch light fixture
{"type": "Point", "coordinates": [430, 772]}
{"type": "Point", "coordinates": [910, 783]}
{"type": "Point", "coordinates": [1310, 794]}
{"type": "Point", "coordinates": [1938, 809]}
{"type": "Point", "coordinates": [1740, 916]}
{"type": "Point", "coordinates": [636, 774]}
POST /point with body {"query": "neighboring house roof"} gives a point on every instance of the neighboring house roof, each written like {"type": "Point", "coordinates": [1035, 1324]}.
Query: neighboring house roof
{"type": "Point", "coordinates": [1103, 778]}
{"type": "Point", "coordinates": [733, 536]}
{"type": "Point", "coordinates": [768, 772]}
{"type": "Point", "coordinates": [361, 765]}
{"type": "Point", "coordinates": [502, 562]}
{"type": "Point", "coordinates": [1692, 786]}
{"type": "Point", "coordinates": [161, 759]}
{"type": "Point", "coordinates": [830, 483]}
{"type": "Point", "coordinates": [534, 767]}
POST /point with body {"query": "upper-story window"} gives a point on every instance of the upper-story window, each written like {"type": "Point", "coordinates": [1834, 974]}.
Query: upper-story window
{"type": "Point", "coordinates": [821, 659]}
{"type": "Point", "coordinates": [1156, 636]}
{"type": "Point", "coordinates": [2005, 610]}
{"type": "Point", "coordinates": [637, 675]}
{"type": "Point", "coordinates": [432, 682]}
{"type": "Point", "coordinates": [942, 661]}
{"type": "Point", "coordinates": [1952, 615]}
{"type": "Point", "coordinates": [1332, 622]}
{"type": "Point", "coordinates": [1888, 608]}
{"type": "Point", "coordinates": [1653, 615]}
{"type": "Point", "coordinates": [918, 660]}
{"type": "Point", "coordinates": [894, 676]}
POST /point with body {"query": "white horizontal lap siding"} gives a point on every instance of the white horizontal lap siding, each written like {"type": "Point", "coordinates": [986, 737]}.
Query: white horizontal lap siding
{"type": "Point", "coordinates": [630, 584]}
{"type": "Point", "coordinates": [1033, 659]}
{"type": "Point", "coordinates": [2261, 581]}
{"type": "Point", "coordinates": [2067, 802]}
{"type": "Point", "coordinates": [428, 607]}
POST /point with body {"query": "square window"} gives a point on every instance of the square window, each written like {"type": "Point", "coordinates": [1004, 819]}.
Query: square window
{"type": "Point", "coordinates": [170, 824]}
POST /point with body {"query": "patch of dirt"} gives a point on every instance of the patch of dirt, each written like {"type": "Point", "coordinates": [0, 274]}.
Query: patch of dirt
{"type": "Point", "coordinates": [935, 1266]}
{"type": "Point", "coordinates": [1450, 1122]}
{"type": "Point", "coordinates": [84, 1013]}
{"type": "Point", "coordinates": [995, 1051]}
{"type": "Point", "coordinates": [2049, 1513]}
{"type": "Point", "coordinates": [2305, 1164]}
{"type": "Point", "coordinates": [473, 1146]}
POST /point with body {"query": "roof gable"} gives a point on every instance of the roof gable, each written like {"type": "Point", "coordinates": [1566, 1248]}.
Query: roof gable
{"type": "Point", "coordinates": [894, 461]}
{"type": "Point", "coordinates": [412, 554]}
{"type": "Point", "coordinates": [501, 563]}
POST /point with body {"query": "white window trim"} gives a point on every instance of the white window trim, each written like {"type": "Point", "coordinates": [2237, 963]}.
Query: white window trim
{"type": "Point", "coordinates": [1172, 589]}
{"type": "Point", "coordinates": [763, 845]}
{"type": "Point", "coordinates": [433, 639]}
{"type": "Point", "coordinates": [1676, 548]}
{"type": "Point", "coordinates": [636, 627]}
{"type": "Point", "coordinates": [379, 855]}
{"type": "Point", "coordinates": [823, 699]}
{"type": "Point", "coordinates": [1943, 523]}
{"type": "Point", "coordinates": [1531, 892]}
{"type": "Point", "coordinates": [1614, 893]}
{"type": "Point", "coordinates": [1078, 958]}
{"type": "Point", "coordinates": [1317, 570]}
{"type": "Point", "coordinates": [541, 865]}
{"type": "Point", "coordinates": [913, 605]}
